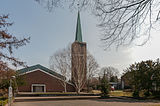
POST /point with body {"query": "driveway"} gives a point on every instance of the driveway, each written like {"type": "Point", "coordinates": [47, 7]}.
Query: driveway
{"type": "Point", "coordinates": [43, 101]}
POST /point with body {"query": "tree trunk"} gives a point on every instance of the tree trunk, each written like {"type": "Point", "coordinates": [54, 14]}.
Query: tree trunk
{"type": "Point", "coordinates": [78, 91]}
{"type": "Point", "coordinates": [65, 87]}
{"type": "Point", "coordinates": [88, 82]}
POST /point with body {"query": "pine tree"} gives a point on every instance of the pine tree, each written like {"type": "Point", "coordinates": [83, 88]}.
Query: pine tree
{"type": "Point", "coordinates": [104, 86]}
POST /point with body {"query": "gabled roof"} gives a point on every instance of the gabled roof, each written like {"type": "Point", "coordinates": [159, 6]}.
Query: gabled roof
{"type": "Point", "coordinates": [38, 66]}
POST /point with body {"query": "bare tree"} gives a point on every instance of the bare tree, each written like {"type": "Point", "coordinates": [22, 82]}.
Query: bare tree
{"type": "Point", "coordinates": [92, 68]}
{"type": "Point", "coordinates": [71, 4]}
{"type": "Point", "coordinates": [79, 71]}
{"type": "Point", "coordinates": [125, 20]}
{"type": "Point", "coordinates": [110, 72]}
{"type": "Point", "coordinates": [122, 21]}
{"type": "Point", "coordinates": [8, 43]}
{"type": "Point", "coordinates": [61, 62]}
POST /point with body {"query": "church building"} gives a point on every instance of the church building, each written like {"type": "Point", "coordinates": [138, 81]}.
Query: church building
{"type": "Point", "coordinates": [41, 79]}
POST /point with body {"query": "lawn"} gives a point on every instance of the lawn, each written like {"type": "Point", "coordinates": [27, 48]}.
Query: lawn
{"type": "Point", "coordinates": [54, 93]}
{"type": "Point", "coordinates": [116, 93]}
{"type": "Point", "coordinates": [120, 93]}
{"type": "Point", "coordinates": [112, 93]}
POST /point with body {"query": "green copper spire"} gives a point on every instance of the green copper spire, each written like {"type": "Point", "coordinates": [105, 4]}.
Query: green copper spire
{"type": "Point", "coordinates": [78, 29]}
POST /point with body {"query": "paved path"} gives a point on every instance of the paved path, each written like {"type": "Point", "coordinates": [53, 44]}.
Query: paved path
{"type": "Point", "coordinates": [51, 101]}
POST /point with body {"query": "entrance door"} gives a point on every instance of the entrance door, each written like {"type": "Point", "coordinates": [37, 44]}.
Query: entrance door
{"type": "Point", "coordinates": [38, 88]}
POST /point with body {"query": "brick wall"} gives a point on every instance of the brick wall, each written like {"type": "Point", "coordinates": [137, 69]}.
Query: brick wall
{"type": "Point", "coordinates": [38, 77]}
{"type": "Point", "coordinates": [79, 62]}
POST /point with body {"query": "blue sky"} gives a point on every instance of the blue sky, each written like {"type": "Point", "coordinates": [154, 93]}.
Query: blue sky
{"type": "Point", "coordinates": [51, 31]}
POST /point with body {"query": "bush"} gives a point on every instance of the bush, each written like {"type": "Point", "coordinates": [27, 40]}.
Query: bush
{"type": "Point", "coordinates": [104, 87]}
{"type": "Point", "coordinates": [156, 94]}
{"type": "Point", "coordinates": [3, 101]}
{"type": "Point", "coordinates": [146, 94]}
{"type": "Point", "coordinates": [136, 94]}
{"type": "Point", "coordinates": [127, 87]}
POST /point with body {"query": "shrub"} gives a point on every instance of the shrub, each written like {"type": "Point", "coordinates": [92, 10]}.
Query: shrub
{"type": "Point", "coordinates": [3, 101]}
{"type": "Point", "coordinates": [136, 93]}
{"type": "Point", "coordinates": [104, 87]}
{"type": "Point", "coordinates": [146, 94]}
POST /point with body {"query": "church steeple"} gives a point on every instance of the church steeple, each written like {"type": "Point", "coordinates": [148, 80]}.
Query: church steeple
{"type": "Point", "coordinates": [79, 59]}
{"type": "Point", "coordinates": [78, 29]}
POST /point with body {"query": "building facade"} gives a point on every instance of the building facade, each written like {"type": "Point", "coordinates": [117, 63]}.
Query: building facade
{"type": "Point", "coordinates": [41, 79]}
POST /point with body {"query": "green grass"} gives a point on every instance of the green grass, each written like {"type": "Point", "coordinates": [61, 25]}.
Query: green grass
{"type": "Point", "coordinates": [120, 93]}
{"type": "Point", "coordinates": [54, 93]}
{"type": "Point", "coordinates": [112, 93]}
{"type": "Point", "coordinates": [115, 93]}
{"type": "Point", "coordinates": [3, 101]}
{"type": "Point", "coordinates": [96, 91]}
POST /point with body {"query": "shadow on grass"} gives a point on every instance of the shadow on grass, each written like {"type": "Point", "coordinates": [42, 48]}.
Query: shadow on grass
{"type": "Point", "coordinates": [56, 98]}
{"type": "Point", "coordinates": [127, 100]}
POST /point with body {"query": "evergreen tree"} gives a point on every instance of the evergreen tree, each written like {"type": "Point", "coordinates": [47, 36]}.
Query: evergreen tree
{"type": "Point", "coordinates": [143, 76]}
{"type": "Point", "coordinates": [104, 86]}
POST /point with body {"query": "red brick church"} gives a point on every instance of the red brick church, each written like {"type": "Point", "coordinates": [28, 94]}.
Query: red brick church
{"type": "Point", "coordinates": [41, 79]}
